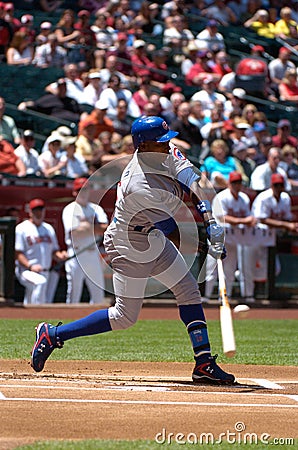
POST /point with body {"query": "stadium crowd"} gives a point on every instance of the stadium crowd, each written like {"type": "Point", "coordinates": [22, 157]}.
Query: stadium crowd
{"type": "Point", "coordinates": [114, 71]}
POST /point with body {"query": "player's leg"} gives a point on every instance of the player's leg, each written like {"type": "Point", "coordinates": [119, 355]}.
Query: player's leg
{"type": "Point", "coordinates": [122, 315]}
{"type": "Point", "coordinates": [51, 285]}
{"type": "Point", "coordinates": [171, 270]}
{"type": "Point", "coordinates": [247, 271]}
{"type": "Point", "coordinates": [75, 279]}
{"type": "Point", "coordinates": [95, 279]}
{"type": "Point", "coordinates": [230, 266]}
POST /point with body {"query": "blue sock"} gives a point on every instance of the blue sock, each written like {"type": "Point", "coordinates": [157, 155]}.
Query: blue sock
{"type": "Point", "coordinates": [194, 319]}
{"type": "Point", "coordinates": [95, 323]}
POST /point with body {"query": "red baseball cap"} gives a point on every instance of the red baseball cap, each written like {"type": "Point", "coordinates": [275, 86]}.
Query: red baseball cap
{"type": "Point", "coordinates": [284, 50]}
{"type": "Point", "coordinates": [277, 178]}
{"type": "Point", "coordinates": [84, 12]}
{"type": "Point", "coordinates": [235, 176]}
{"type": "Point", "coordinates": [36, 203]}
{"type": "Point", "coordinates": [258, 48]}
{"type": "Point", "coordinates": [122, 37]}
{"type": "Point", "coordinates": [229, 125]}
{"type": "Point", "coordinates": [79, 183]}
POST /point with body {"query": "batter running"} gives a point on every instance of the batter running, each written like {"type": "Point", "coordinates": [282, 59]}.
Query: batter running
{"type": "Point", "coordinates": [137, 241]}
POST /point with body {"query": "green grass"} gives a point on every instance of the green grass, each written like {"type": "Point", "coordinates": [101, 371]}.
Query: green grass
{"type": "Point", "coordinates": [141, 445]}
{"type": "Point", "coordinates": [258, 342]}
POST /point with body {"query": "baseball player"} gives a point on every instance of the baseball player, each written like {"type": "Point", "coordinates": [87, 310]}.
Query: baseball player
{"type": "Point", "coordinates": [137, 241]}
{"type": "Point", "coordinates": [232, 208]}
{"type": "Point", "coordinates": [35, 247]}
{"type": "Point", "coordinates": [82, 220]}
{"type": "Point", "coordinates": [272, 208]}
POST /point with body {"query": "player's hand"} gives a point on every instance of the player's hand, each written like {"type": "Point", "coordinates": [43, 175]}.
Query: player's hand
{"type": "Point", "coordinates": [36, 268]}
{"type": "Point", "coordinates": [217, 251]}
{"type": "Point", "coordinates": [215, 233]}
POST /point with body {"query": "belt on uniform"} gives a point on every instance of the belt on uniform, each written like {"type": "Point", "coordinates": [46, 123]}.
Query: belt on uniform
{"type": "Point", "coordinates": [141, 229]}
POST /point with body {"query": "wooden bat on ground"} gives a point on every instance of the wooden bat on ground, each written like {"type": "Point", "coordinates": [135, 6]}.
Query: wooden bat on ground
{"type": "Point", "coordinates": [226, 322]}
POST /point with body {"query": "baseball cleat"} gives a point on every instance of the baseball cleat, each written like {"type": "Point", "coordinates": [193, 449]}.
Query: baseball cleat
{"type": "Point", "coordinates": [46, 341]}
{"type": "Point", "coordinates": [208, 372]}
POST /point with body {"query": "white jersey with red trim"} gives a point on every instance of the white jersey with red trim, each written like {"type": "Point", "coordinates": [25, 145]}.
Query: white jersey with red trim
{"type": "Point", "coordinates": [266, 205]}
{"type": "Point", "coordinates": [231, 206]}
{"type": "Point", "coordinates": [37, 243]}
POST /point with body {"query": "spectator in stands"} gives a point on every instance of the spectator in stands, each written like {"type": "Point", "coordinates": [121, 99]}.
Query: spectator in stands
{"type": "Point", "coordinates": [260, 23]}
{"type": "Point", "coordinates": [201, 70]}
{"type": "Point", "coordinates": [8, 129]}
{"type": "Point", "coordinates": [219, 10]}
{"type": "Point", "coordinates": [190, 57]}
{"type": "Point", "coordinates": [141, 96]}
{"type": "Point", "coordinates": [14, 23]}
{"type": "Point", "coordinates": [87, 144]}
{"type": "Point", "coordinates": [146, 18]}
{"type": "Point", "coordinates": [45, 29]}
{"type": "Point", "coordinates": [260, 131]}
{"type": "Point", "coordinates": [123, 56]}
{"type": "Point", "coordinates": [173, 7]}
{"type": "Point", "coordinates": [159, 69]}
{"type": "Point", "coordinates": [284, 24]}
{"type": "Point", "coordinates": [113, 93]}
{"type": "Point", "coordinates": [210, 38]}
{"type": "Point", "coordinates": [104, 39]}
{"type": "Point", "coordinates": [65, 31]}
{"type": "Point", "coordinates": [289, 163]}
{"type": "Point", "coordinates": [213, 128]}
{"type": "Point", "coordinates": [122, 123]}
{"type": "Point", "coordinates": [57, 105]}
{"type": "Point", "coordinates": [111, 69]}
{"type": "Point", "coordinates": [178, 36]}
{"type": "Point", "coordinates": [248, 113]}
{"type": "Point", "coordinates": [244, 164]}
{"type": "Point", "coordinates": [28, 154]}
{"type": "Point", "coordinates": [99, 117]}
{"type": "Point", "coordinates": [236, 102]}
{"type": "Point", "coordinates": [93, 89]}
{"type": "Point", "coordinates": [197, 116]}
{"type": "Point", "coordinates": [189, 139]}
{"type": "Point", "coordinates": [207, 95]}
{"type": "Point", "coordinates": [20, 51]}
{"type": "Point", "coordinates": [283, 135]}
{"type": "Point", "coordinates": [50, 162]}
{"type": "Point", "coordinates": [261, 176]}
{"type": "Point", "coordinates": [74, 84]}
{"type": "Point", "coordinates": [139, 59]}
{"type": "Point", "coordinates": [87, 39]}
{"type": "Point", "coordinates": [221, 66]}
{"type": "Point", "coordinates": [76, 166]}
{"type": "Point", "coordinates": [278, 67]}
{"type": "Point", "coordinates": [260, 152]}
{"type": "Point", "coordinates": [10, 163]}
{"type": "Point", "coordinates": [50, 5]}
{"type": "Point", "coordinates": [27, 21]}
{"type": "Point", "coordinates": [50, 54]}
{"type": "Point", "coordinates": [6, 32]}
{"type": "Point", "coordinates": [219, 165]}
{"type": "Point", "coordinates": [288, 88]}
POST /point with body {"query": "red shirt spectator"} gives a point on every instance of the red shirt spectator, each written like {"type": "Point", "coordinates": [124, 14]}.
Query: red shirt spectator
{"type": "Point", "coordinates": [10, 163]}
{"type": "Point", "coordinates": [283, 135]}
{"type": "Point", "coordinates": [122, 53]}
{"type": "Point", "coordinates": [6, 31]}
{"type": "Point", "coordinates": [9, 17]}
{"type": "Point", "coordinates": [251, 66]}
{"type": "Point", "coordinates": [140, 62]}
{"type": "Point", "coordinates": [87, 35]}
{"type": "Point", "coordinates": [199, 70]}
{"type": "Point", "coordinates": [221, 66]}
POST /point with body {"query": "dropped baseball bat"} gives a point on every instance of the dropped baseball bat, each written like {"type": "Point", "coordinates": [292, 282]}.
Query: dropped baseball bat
{"type": "Point", "coordinates": [226, 322]}
{"type": "Point", "coordinates": [57, 267]}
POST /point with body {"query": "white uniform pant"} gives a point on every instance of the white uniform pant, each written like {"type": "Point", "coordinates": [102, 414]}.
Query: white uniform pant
{"type": "Point", "coordinates": [86, 267]}
{"type": "Point", "coordinates": [42, 293]}
{"type": "Point", "coordinates": [236, 258]}
{"type": "Point", "coordinates": [131, 275]}
{"type": "Point", "coordinates": [257, 258]}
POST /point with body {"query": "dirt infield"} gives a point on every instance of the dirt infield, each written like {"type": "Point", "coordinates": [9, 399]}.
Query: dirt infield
{"type": "Point", "coordinates": [132, 400]}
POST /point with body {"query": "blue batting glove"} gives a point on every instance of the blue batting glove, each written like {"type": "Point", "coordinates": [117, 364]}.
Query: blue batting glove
{"type": "Point", "coordinates": [215, 233]}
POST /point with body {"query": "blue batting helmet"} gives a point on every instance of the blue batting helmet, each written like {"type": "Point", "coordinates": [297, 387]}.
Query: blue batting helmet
{"type": "Point", "coordinates": [151, 128]}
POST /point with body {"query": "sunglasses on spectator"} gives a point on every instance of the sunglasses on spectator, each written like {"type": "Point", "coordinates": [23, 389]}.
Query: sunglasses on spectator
{"type": "Point", "coordinates": [279, 185]}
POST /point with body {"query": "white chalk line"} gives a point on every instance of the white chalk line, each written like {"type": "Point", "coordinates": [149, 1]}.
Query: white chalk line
{"type": "Point", "coordinates": [2, 396]}
{"type": "Point", "coordinates": [146, 388]}
{"type": "Point", "coordinates": [149, 402]}
{"type": "Point", "coordinates": [266, 383]}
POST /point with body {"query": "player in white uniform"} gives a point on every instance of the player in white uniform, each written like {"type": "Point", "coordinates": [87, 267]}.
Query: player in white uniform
{"type": "Point", "coordinates": [36, 246]}
{"type": "Point", "coordinates": [148, 195]}
{"type": "Point", "coordinates": [232, 208]}
{"type": "Point", "coordinates": [273, 209]}
{"type": "Point", "coordinates": [82, 220]}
